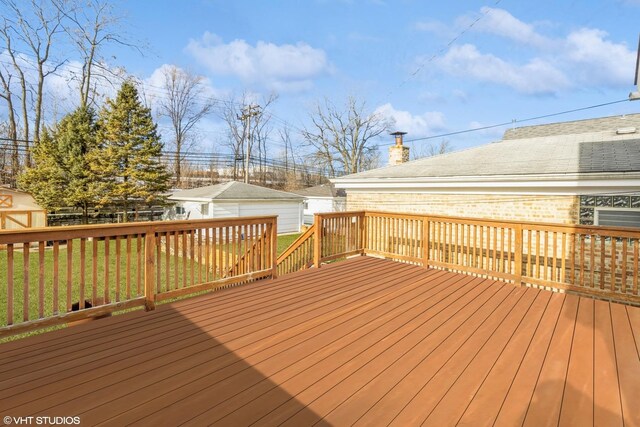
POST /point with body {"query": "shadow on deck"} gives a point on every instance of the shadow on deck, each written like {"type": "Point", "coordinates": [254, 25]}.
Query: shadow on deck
{"type": "Point", "coordinates": [365, 341]}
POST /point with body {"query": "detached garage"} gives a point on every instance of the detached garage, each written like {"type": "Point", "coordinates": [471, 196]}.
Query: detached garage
{"type": "Point", "coordinates": [237, 199]}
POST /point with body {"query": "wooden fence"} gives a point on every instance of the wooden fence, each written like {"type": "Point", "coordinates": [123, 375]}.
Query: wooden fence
{"type": "Point", "coordinates": [599, 261]}
{"type": "Point", "coordinates": [61, 274]}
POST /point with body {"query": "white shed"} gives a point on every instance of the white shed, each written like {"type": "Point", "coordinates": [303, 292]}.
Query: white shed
{"type": "Point", "coordinates": [321, 199]}
{"type": "Point", "coordinates": [237, 199]}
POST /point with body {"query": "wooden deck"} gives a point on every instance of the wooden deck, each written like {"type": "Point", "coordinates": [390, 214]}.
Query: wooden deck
{"type": "Point", "coordinates": [364, 341]}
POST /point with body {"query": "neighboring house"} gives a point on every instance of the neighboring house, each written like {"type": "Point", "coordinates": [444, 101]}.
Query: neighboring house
{"type": "Point", "coordinates": [580, 172]}
{"type": "Point", "coordinates": [237, 199]}
{"type": "Point", "coordinates": [19, 210]}
{"type": "Point", "coordinates": [321, 199]}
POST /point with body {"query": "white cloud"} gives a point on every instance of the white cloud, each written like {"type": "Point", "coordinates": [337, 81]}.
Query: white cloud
{"type": "Point", "coordinates": [416, 125]}
{"type": "Point", "coordinates": [535, 77]}
{"type": "Point", "coordinates": [582, 58]}
{"type": "Point", "coordinates": [283, 67]}
{"type": "Point", "coordinates": [597, 60]}
{"type": "Point", "coordinates": [502, 23]}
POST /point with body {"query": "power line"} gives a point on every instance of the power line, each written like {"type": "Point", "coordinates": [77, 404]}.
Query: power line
{"type": "Point", "coordinates": [511, 122]}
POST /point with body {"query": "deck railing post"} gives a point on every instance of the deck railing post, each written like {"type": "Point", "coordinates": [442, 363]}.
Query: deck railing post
{"type": "Point", "coordinates": [317, 242]}
{"type": "Point", "coordinates": [519, 249]}
{"type": "Point", "coordinates": [274, 248]}
{"type": "Point", "coordinates": [150, 270]}
{"type": "Point", "coordinates": [425, 242]}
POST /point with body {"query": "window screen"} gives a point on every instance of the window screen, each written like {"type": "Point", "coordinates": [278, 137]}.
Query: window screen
{"type": "Point", "coordinates": [619, 218]}
{"type": "Point", "coordinates": [204, 209]}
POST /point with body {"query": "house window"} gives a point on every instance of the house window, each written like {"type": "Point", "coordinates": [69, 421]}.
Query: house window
{"type": "Point", "coordinates": [204, 209]}
{"type": "Point", "coordinates": [618, 217]}
{"type": "Point", "coordinates": [306, 205]}
{"type": "Point", "coordinates": [180, 210]}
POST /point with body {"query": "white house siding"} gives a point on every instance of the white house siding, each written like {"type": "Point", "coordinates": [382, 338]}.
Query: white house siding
{"type": "Point", "coordinates": [193, 210]}
{"type": "Point", "coordinates": [289, 213]}
{"type": "Point", "coordinates": [317, 205]}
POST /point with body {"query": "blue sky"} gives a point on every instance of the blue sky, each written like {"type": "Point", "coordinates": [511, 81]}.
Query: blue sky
{"type": "Point", "coordinates": [435, 67]}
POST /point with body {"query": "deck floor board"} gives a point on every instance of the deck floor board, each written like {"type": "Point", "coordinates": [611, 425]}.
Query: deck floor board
{"type": "Point", "coordinates": [360, 342]}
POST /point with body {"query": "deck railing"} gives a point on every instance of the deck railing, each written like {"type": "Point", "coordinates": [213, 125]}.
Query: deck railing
{"type": "Point", "coordinates": [599, 261]}
{"type": "Point", "coordinates": [55, 275]}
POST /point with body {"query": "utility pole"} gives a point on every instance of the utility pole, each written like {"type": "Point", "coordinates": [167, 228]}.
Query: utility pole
{"type": "Point", "coordinates": [248, 112]}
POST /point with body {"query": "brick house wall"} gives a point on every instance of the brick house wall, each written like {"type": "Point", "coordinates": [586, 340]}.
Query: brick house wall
{"type": "Point", "coordinates": [548, 208]}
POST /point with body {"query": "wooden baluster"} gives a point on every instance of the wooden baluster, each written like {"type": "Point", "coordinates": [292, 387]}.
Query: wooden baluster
{"type": "Point", "coordinates": [158, 245]}
{"type": "Point", "coordinates": [582, 238]}
{"type": "Point", "coordinates": [94, 272]}
{"type": "Point", "coordinates": [572, 258]}
{"type": "Point", "coordinates": [546, 254]}
{"type": "Point", "coordinates": [193, 256]}
{"type": "Point", "coordinates": [26, 247]}
{"type": "Point", "coordinates": [107, 297]}
{"type": "Point", "coordinates": [529, 265]}
{"type": "Point", "coordinates": [139, 271]}
{"type": "Point", "coordinates": [69, 273]}
{"type": "Point", "coordinates": [592, 265]}
{"type": "Point", "coordinates": [624, 266]}
{"type": "Point", "coordinates": [10, 284]}
{"type": "Point", "coordinates": [602, 261]}
{"type": "Point", "coordinates": [83, 254]}
{"type": "Point", "coordinates": [537, 256]}
{"type": "Point", "coordinates": [614, 249]}
{"type": "Point", "coordinates": [207, 255]}
{"type": "Point", "coordinates": [199, 231]}
{"type": "Point", "coordinates": [40, 279]}
{"type": "Point", "coordinates": [167, 261]}
{"type": "Point", "coordinates": [183, 234]}
{"type": "Point", "coordinates": [56, 272]}
{"type": "Point", "coordinates": [118, 260]}
{"type": "Point", "coordinates": [128, 268]}
{"type": "Point", "coordinates": [555, 257]}
{"type": "Point", "coordinates": [564, 258]}
{"type": "Point", "coordinates": [636, 271]}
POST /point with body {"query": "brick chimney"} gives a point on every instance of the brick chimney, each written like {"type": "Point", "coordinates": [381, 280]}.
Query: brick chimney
{"type": "Point", "coordinates": [398, 153]}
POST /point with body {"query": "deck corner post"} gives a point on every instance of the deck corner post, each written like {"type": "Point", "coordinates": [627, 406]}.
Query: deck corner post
{"type": "Point", "coordinates": [517, 259]}
{"type": "Point", "coordinates": [425, 242]}
{"type": "Point", "coordinates": [317, 242]}
{"type": "Point", "coordinates": [274, 248]}
{"type": "Point", "coordinates": [149, 270]}
{"type": "Point", "coordinates": [364, 237]}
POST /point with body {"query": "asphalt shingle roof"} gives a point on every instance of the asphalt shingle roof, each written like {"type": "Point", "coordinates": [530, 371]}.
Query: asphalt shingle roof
{"type": "Point", "coordinates": [587, 152]}
{"type": "Point", "coordinates": [234, 190]}
{"type": "Point", "coordinates": [324, 190]}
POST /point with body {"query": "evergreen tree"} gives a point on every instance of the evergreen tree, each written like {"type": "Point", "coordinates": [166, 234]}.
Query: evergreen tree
{"type": "Point", "coordinates": [45, 180]}
{"type": "Point", "coordinates": [128, 158]}
{"type": "Point", "coordinates": [61, 176]}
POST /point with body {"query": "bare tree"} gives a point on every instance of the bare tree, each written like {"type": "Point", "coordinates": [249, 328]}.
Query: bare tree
{"type": "Point", "coordinates": [35, 29]}
{"type": "Point", "coordinates": [184, 106]}
{"type": "Point", "coordinates": [91, 26]}
{"type": "Point", "coordinates": [342, 138]}
{"type": "Point", "coordinates": [430, 150]}
{"type": "Point", "coordinates": [10, 129]}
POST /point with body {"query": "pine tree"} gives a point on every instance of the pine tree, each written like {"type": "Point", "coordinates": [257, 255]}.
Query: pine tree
{"type": "Point", "coordinates": [128, 160]}
{"type": "Point", "coordinates": [61, 176]}
{"type": "Point", "coordinates": [44, 180]}
{"type": "Point", "coordinates": [76, 140]}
